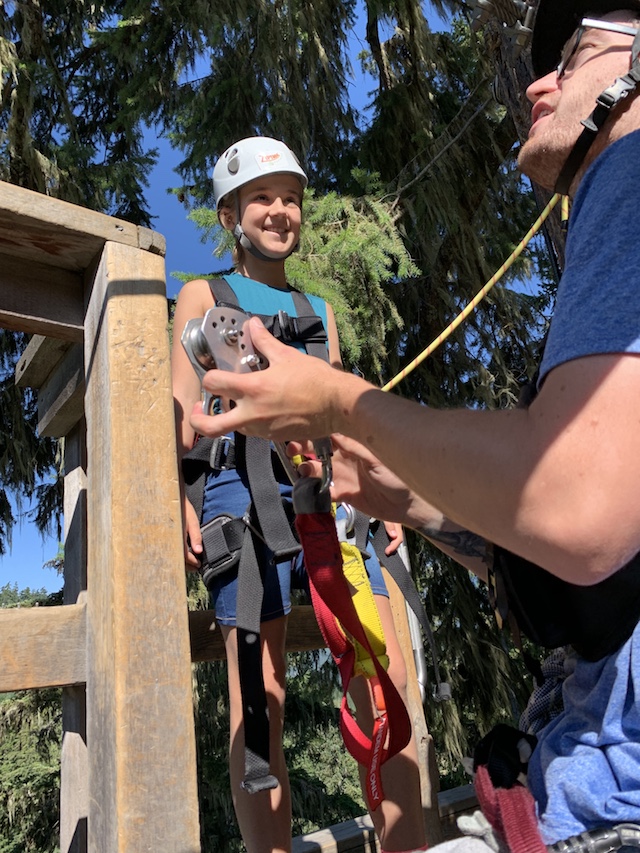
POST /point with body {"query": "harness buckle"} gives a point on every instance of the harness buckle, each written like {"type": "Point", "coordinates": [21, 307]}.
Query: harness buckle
{"type": "Point", "coordinates": [287, 327]}
{"type": "Point", "coordinates": [604, 839]}
{"type": "Point", "coordinates": [248, 522]}
{"type": "Point", "coordinates": [218, 554]}
{"type": "Point", "coordinates": [223, 453]}
{"type": "Point", "coordinates": [324, 452]}
{"type": "Point", "coordinates": [350, 520]}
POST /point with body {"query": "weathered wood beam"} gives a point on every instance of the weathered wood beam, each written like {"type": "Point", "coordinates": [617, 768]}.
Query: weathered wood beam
{"type": "Point", "coordinates": [42, 647]}
{"type": "Point", "coordinates": [140, 728]}
{"type": "Point", "coordinates": [61, 398]}
{"type": "Point", "coordinates": [58, 234]}
{"type": "Point", "coordinates": [46, 646]}
{"type": "Point", "coordinates": [74, 758]}
{"type": "Point", "coordinates": [39, 359]}
{"type": "Point", "coordinates": [56, 369]}
{"type": "Point", "coordinates": [352, 836]}
{"type": "Point", "coordinates": [303, 634]}
{"type": "Point", "coordinates": [40, 299]}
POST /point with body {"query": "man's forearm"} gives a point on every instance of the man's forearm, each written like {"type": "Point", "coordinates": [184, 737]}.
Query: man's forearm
{"type": "Point", "coordinates": [467, 548]}
{"type": "Point", "coordinates": [557, 483]}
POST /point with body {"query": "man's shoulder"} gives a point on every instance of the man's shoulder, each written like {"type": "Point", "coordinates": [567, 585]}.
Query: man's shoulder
{"type": "Point", "coordinates": [619, 159]}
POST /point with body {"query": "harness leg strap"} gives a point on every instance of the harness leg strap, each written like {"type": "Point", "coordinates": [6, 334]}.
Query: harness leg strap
{"type": "Point", "coordinates": [255, 712]}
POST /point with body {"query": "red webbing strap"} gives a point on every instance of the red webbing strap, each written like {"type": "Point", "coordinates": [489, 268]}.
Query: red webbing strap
{"type": "Point", "coordinates": [511, 812]}
{"type": "Point", "coordinates": [332, 601]}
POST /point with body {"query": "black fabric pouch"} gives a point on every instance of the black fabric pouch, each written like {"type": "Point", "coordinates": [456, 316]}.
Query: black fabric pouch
{"type": "Point", "coordinates": [596, 620]}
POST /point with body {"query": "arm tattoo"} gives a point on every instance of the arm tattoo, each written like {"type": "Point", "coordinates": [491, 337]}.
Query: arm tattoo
{"type": "Point", "coordinates": [460, 541]}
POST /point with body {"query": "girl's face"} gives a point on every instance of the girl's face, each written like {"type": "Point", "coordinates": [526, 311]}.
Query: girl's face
{"type": "Point", "coordinates": [271, 213]}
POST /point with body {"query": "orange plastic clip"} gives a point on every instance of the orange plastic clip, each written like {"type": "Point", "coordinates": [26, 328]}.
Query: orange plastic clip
{"type": "Point", "coordinates": [378, 695]}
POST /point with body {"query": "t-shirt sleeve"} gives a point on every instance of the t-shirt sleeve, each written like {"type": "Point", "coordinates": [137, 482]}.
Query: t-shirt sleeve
{"type": "Point", "coordinates": [598, 302]}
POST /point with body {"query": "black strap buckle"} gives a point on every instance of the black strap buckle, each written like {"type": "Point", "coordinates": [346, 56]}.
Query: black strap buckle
{"type": "Point", "coordinates": [287, 327]}
{"type": "Point", "coordinates": [221, 546]}
{"type": "Point", "coordinates": [223, 453]}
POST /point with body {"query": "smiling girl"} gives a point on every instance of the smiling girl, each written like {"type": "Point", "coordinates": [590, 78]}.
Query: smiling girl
{"type": "Point", "coordinates": [258, 185]}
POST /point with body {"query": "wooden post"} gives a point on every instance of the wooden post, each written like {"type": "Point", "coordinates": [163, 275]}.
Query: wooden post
{"type": "Point", "coordinates": [74, 799]}
{"type": "Point", "coordinates": [429, 780]}
{"type": "Point", "coordinates": [142, 765]}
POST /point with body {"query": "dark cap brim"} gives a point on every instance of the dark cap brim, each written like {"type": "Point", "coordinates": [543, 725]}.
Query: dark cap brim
{"type": "Point", "coordinates": [557, 19]}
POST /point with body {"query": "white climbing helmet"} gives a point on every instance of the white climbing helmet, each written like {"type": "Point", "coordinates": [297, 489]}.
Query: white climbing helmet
{"type": "Point", "coordinates": [252, 158]}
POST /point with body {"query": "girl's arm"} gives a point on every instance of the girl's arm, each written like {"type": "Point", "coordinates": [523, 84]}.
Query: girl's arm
{"type": "Point", "coordinates": [194, 300]}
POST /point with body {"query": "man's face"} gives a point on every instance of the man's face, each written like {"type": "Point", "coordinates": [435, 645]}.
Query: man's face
{"type": "Point", "coordinates": [559, 104]}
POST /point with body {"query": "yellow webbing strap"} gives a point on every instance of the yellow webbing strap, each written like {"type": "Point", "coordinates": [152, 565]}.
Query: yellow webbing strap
{"type": "Point", "coordinates": [365, 605]}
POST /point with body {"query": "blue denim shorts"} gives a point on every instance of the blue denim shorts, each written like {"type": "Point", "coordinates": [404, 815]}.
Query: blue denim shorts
{"type": "Point", "coordinates": [226, 492]}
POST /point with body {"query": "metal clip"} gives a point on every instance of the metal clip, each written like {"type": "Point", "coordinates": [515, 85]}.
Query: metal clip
{"type": "Point", "coordinates": [324, 452]}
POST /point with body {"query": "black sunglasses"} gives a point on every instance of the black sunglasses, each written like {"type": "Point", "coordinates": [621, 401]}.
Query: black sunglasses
{"type": "Point", "coordinates": [593, 24]}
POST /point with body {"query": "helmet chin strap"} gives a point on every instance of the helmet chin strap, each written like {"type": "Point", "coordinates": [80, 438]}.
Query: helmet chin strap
{"type": "Point", "coordinates": [245, 242]}
{"type": "Point", "coordinates": [605, 102]}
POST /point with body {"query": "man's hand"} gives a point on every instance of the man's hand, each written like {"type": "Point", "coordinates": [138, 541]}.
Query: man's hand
{"type": "Point", "coordinates": [359, 478]}
{"type": "Point", "coordinates": [292, 398]}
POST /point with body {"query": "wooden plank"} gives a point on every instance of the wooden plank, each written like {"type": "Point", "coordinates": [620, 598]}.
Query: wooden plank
{"type": "Point", "coordinates": [38, 361]}
{"type": "Point", "coordinates": [75, 514]}
{"type": "Point", "coordinates": [453, 804]}
{"type": "Point", "coordinates": [39, 299]}
{"type": "Point", "coordinates": [42, 647]}
{"type": "Point", "coordinates": [58, 234]}
{"type": "Point", "coordinates": [61, 397]}
{"type": "Point", "coordinates": [352, 836]}
{"type": "Point", "coordinates": [74, 762]}
{"type": "Point", "coordinates": [457, 801]}
{"type": "Point", "coordinates": [28, 660]}
{"type": "Point", "coordinates": [356, 836]}
{"type": "Point", "coordinates": [142, 761]}
{"type": "Point", "coordinates": [429, 780]}
{"type": "Point", "coordinates": [303, 633]}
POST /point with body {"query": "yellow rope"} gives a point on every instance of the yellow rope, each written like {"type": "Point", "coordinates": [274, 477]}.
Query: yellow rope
{"type": "Point", "coordinates": [476, 299]}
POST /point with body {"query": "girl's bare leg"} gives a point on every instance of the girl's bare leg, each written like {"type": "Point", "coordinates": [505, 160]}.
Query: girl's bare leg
{"type": "Point", "coordinates": [398, 821]}
{"type": "Point", "coordinates": [264, 818]}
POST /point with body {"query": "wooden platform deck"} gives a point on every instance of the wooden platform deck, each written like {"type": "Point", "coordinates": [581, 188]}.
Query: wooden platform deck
{"type": "Point", "coordinates": [357, 836]}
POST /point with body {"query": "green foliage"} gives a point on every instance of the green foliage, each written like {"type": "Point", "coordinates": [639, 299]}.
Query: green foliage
{"type": "Point", "coordinates": [29, 466]}
{"type": "Point", "coordinates": [30, 737]}
{"type": "Point", "coordinates": [10, 596]}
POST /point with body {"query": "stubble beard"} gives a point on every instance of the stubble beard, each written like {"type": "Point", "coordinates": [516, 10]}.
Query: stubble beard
{"type": "Point", "coordinates": [538, 162]}
{"type": "Point", "coordinates": [544, 154]}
